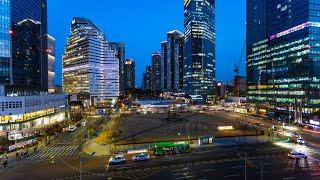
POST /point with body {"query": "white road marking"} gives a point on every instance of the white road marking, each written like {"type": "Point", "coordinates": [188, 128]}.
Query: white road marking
{"type": "Point", "coordinates": [206, 170]}
{"type": "Point", "coordinates": [235, 167]}
{"type": "Point", "coordinates": [288, 178]}
{"type": "Point", "coordinates": [232, 175]}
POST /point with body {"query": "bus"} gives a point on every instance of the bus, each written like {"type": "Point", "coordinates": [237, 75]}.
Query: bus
{"type": "Point", "coordinates": [165, 148]}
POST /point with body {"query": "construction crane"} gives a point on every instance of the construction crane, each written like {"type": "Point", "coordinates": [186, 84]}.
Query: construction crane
{"type": "Point", "coordinates": [236, 68]}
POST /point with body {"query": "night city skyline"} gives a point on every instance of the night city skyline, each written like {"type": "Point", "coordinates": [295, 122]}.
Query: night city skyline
{"type": "Point", "coordinates": [160, 90]}
{"type": "Point", "coordinates": [143, 29]}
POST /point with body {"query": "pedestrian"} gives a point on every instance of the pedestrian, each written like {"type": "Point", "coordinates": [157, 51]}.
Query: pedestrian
{"type": "Point", "coordinates": [17, 154]}
{"type": "Point", "coordinates": [5, 163]}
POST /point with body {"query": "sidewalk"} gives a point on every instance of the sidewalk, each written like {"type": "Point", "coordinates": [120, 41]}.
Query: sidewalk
{"type": "Point", "coordinates": [91, 147]}
{"type": "Point", "coordinates": [12, 158]}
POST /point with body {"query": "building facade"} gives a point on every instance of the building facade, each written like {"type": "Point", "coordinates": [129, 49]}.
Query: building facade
{"type": "Point", "coordinates": [157, 72]}
{"type": "Point", "coordinates": [175, 61]}
{"type": "Point", "coordinates": [240, 86]}
{"type": "Point", "coordinates": [89, 65]}
{"type": "Point", "coordinates": [199, 49]}
{"type": "Point", "coordinates": [164, 64]}
{"type": "Point", "coordinates": [51, 60]}
{"type": "Point", "coordinates": [120, 52]}
{"type": "Point", "coordinates": [283, 57]}
{"type": "Point", "coordinates": [147, 79]}
{"type": "Point", "coordinates": [130, 71]}
{"type": "Point", "coordinates": [23, 57]}
{"type": "Point", "coordinates": [21, 112]}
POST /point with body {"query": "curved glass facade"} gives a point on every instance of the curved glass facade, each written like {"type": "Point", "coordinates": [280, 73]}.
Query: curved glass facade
{"type": "Point", "coordinates": [89, 65]}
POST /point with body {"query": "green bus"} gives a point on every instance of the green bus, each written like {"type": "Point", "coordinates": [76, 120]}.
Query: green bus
{"type": "Point", "coordinates": [165, 148]}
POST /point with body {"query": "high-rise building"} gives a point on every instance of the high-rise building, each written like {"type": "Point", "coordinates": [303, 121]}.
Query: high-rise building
{"type": "Point", "coordinates": [164, 65]}
{"type": "Point", "coordinates": [130, 77]}
{"type": "Point", "coordinates": [23, 58]}
{"type": "Point", "coordinates": [199, 30]}
{"type": "Point", "coordinates": [283, 57]}
{"type": "Point", "coordinates": [240, 86]}
{"type": "Point", "coordinates": [51, 60]}
{"type": "Point", "coordinates": [120, 52]}
{"type": "Point", "coordinates": [147, 79]}
{"type": "Point", "coordinates": [156, 72]}
{"type": "Point", "coordinates": [175, 58]}
{"type": "Point", "coordinates": [89, 65]}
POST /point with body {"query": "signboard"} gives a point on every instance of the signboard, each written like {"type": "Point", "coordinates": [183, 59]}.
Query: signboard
{"type": "Point", "coordinates": [205, 140]}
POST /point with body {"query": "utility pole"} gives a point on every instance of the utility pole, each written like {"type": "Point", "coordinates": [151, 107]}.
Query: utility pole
{"type": "Point", "coordinates": [261, 171]}
{"type": "Point", "coordinates": [80, 169]}
{"type": "Point", "coordinates": [245, 166]}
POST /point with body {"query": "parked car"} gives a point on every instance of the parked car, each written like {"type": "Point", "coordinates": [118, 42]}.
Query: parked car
{"type": "Point", "coordinates": [118, 159]}
{"type": "Point", "coordinates": [72, 128]}
{"type": "Point", "coordinates": [296, 155]}
{"type": "Point", "coordinates": [300, 140]}
{"type": "Point", "coordinates": [141, 157]}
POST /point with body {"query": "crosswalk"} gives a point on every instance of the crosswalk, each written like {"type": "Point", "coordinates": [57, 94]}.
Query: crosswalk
{"type": "Point", "coordinates": [57, 151]}
{"type": "Point", "coordinates": [135, 174]}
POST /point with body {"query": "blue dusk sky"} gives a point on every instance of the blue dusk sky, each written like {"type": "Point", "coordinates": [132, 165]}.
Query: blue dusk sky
{"type": "Point", "coordinates": [142, 25]}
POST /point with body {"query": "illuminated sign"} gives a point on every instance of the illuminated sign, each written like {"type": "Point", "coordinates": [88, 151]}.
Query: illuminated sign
{"type": "Point", "coordinates": [137, 151]}
{"type": "Point", "coordinates": [314, 122]}
{"type": "Point", "coordinates": [294, 29]}
{"type": "Point", "coordinates": [223, 128]}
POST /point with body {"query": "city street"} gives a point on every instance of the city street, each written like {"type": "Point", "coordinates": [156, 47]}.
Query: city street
{"type": "Point", "coordinates": [62, 159]}
{"type": "Point", "coordinates": [222, 163]}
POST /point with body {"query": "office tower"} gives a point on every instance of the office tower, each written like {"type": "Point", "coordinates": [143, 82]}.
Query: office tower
{"type": "Point", "coordinates": [89, 65]}
{"type": "Point", "coordinates": [164, 65]}
{"type": "Point", "coordinates": [23, 58]}
{"type": "Point", "coordinates": [283, 56]}
{"type": "Point", "coordinates": [119, 51]}
{"type": "Point", "coordinates": [51, 60]}
{"type": "Point", "coordinates": [175, 43]}
{"type": "Point", "coordinates": [199, 30]}
{"type": "Point", "coordinates": [240, 86]}
{"type": "Point", "coordinates": [156, 72]}
{"type": "Point", "coordinates": [147, 79]}
{"type": "Point", "coordinates": [130, 77]}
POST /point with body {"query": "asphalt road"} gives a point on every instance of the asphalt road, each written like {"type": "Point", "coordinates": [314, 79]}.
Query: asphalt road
{"type": "Point", "coordinates": [222, 163]}
{"type": "Point", "coordinates": [209, 162]}
{"type": "Point", "coordinates": [61, 158]}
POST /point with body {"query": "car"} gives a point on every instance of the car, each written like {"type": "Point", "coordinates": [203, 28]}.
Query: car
{"type": "Point", "coordinates": [300, 140]}
{"type": "Point", "coordinates": [84, 123]}
{"type": "Point", "coordinates": [72, 128]}
{"type": "Point", "coordinates": [294, 134]}
{"type": "Point", "coordinates": [141, 157]}
{"type": "Point", "coordinates": [296, 155]}
{"type": "Point", "coordinates": [118, 159]}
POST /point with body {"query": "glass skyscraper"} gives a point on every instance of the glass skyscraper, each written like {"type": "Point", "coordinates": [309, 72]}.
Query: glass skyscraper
{"type": "Point", "coordinates": [130, 74]}
{"type": "Point", "coordinates": [51, 48]}
{"type": "Point", "coordinates": [199, 27]}
{"type": "Point", "coordinates": [89, 65]}
{"type": "Point", "coordinates": [283, 57]}
{"type": "Point", "coordinates": [156, 72]}
{"type": "Point", "coordinates": [164, 62]}
{"type": "Point", "coordinates": [120, 52]}
{"type": "Point", "coordinates": [23, 58]}
{"type": "Point", "coordinates": [147, 79]}
{"type": "Point", "coordinates": [175, 59]}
